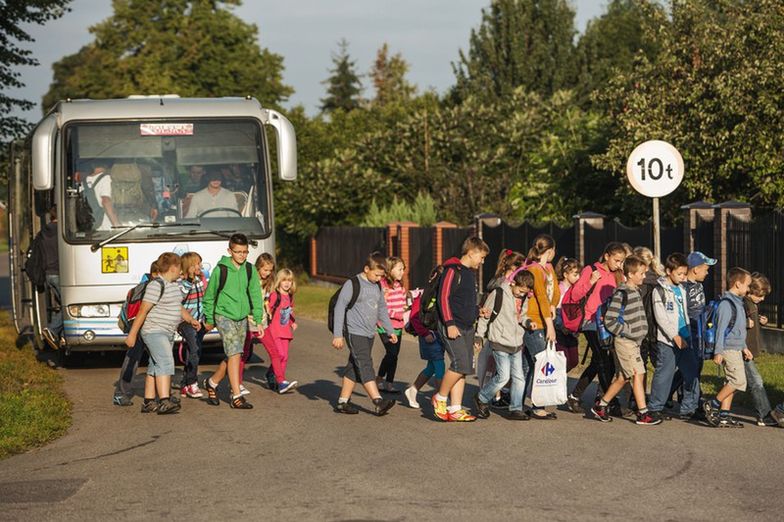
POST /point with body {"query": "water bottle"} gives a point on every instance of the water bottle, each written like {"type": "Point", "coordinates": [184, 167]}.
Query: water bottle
{"type": "Point", "coordinates": [605, 338]}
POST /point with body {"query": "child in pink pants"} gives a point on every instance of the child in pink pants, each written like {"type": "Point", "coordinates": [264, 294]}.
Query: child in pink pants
{"type": "Point", "coordinates": [280, 330]}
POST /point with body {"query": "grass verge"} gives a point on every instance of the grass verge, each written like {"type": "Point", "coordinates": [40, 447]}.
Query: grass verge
{"type": "Point", "coordinates": [312, 301]}
{"type": "Point", "coordinates": [33, 406]}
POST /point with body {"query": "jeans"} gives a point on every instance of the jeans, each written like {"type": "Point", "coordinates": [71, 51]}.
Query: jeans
{"type": "Point", "coordinates": [129, 367]}
{"type": "Point", "coordinates": [506, 364]}
{"type": "Point", "coordinates": [535, 343]}
{"type": "Point", "coordinates": [56, 320]}
{"type": "Point", "coordinates": [757, 389]}
{"type": "Point", "coordinates": [668, 358]}
{"type": "Point", "coordinates": [159, 345]}
{"type": "Point", "coordinates": [482, 362]}
{"type": "Point", "coordinates": [193, 340]}
{"type": "Point", "coordinates": [388, 365]}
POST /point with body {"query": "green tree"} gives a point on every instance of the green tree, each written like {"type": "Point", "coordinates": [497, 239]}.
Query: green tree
{"type": "Point", "coordinates": [188, 47]}
{"type": "Point", "coordinates": [611, 42]}
{"type": "Point", "coordinates": [388, 76]}
{"type": "Point", "coordinates": [526, 43]}
{"type": "Point", "coordinates": [343, 85]}
{"type": "Point", "coordinates": [715, 91]}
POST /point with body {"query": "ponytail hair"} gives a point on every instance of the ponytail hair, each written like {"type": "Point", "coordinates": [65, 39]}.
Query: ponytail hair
{"type": "Point", "coordinates": [542, 244]}
{"type": "Point", "coordinates": [508, 260]}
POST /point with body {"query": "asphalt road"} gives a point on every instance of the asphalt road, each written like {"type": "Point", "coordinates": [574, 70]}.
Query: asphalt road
{"type": "Point", "coordinates": [292, 458]}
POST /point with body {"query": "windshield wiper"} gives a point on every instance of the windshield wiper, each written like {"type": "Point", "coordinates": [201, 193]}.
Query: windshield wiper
{"type": "Point", "coordinates": [220, 233]}
{"type": "Point", "coordinates": [96, 246]}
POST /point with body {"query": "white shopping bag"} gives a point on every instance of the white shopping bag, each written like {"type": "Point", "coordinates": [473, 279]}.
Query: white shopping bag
{"type": "Point", "coordinates": [549, 385]}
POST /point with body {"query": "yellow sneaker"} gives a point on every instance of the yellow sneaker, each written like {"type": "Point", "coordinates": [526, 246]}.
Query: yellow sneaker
{"type": "Point", "coordinates": [439, 408]}
{"type": "Point", "coordinates": [460, 416]}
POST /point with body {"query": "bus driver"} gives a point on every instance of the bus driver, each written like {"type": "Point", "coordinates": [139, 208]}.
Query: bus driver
{"type": "Point", "coordinates": [213, 196]}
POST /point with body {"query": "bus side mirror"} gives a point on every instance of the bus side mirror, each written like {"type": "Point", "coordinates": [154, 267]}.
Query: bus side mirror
{"type": "Point", "coordinates": [287, 145]}
{"type": "Point", "coordinates": [43, 153]}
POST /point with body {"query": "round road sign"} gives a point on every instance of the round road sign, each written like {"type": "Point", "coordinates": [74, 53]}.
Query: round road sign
{"type": "Point", "coordinates": [655, 168]}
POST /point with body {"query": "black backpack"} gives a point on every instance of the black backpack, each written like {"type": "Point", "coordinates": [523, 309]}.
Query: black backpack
{"type": "Point", "coordinates": [223, 274]}
{"type": "Point", "coordinates": [35, 265]}
{"type": "Point", "coordinates": [428, 309]}
{"type": "Point", "coordinates": [334, 300]}
{"type": "Point", "coordinates": [277, 304]}
{"type": "Point", "coordinates": [498, 302]}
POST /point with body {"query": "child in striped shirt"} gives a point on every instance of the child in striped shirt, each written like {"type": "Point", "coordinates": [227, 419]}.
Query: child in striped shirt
{"type": "Point", "coordinates": [192, 288]}
{"type": "Point", "coordinates": [395, 298]}
{"type": "Point", "coordinates": [626, 320]}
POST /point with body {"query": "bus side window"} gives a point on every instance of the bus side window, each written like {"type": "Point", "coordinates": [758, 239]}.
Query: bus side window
{"type": "Point", "coordinates": [43, 201]}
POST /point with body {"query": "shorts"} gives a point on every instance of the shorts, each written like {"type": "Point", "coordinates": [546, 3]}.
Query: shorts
{"type": "Point", "coordinates": [360, 363]}
{"type": "Point", "coordinates": [233, 334]}
{"type": "Point", "coordinates": [159, 346]}
{"type": "Point", "coordinates": [628, 361]}
{"type": "Point", "coordinates": [734, 369]}
{"type": "Point", "coordinates": [460, 350]}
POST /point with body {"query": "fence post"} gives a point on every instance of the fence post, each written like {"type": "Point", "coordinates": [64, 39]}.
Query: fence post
{"type": "Point", "coordinates": [580, 220]}
{"type": "Point", "coordinates": [438, 241]}
{"type": "Point", "coordinates": [313, 257]}
{"type": "Point", "coordinates": [694, 212]}
{"type": "Point", "coordinates": [392, 247]}
{"type": "Point", "coordinates": [404, 248]}
{"type": "Point", "coordinates": [722, 211]}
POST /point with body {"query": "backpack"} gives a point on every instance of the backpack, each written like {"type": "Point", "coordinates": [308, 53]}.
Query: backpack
{"type": "Point", "coordinates": [88, 203]}
{"type": "Point", "coordinates": [127, 186]}
{"type": "Point", "coordinates": [35, 265]}
{"type": "Point", "coordinates": [573, 311]}
{"type": "Point", "coordinates": [498, 302]}
{"type": "Point", "coordinates": [223, 274]}
{"type": "Point", "coordinates": [334, 300]}
{"type": "Point", "coordinates": [428, 309]}
{"type": "Point", "coordinates": [132, 304]}
{"type": "Point", "coordinates": [605, 337]}
{"type": "Point", "coordinates": [709, 322]}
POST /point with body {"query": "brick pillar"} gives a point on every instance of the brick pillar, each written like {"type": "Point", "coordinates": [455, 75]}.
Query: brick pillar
{"type": "Point", "coordinates": [404, 248]}
{"type": "Point", "coordinates": [313, 257]}
{"type": "Point", "coordinates": [438, 241]}
{"type": "Point", "coordinates": [693, 213]}
{"type": "Point", "coordinates": [580, 220]}
{"type": "Point", "coordinates": [722, 211]}
{"type": "Point", "coordinates": [392, 246]}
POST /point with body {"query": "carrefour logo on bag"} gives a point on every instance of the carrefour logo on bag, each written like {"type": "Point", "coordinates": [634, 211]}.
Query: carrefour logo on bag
{"type": "Point", "coordinates": [548, 369]}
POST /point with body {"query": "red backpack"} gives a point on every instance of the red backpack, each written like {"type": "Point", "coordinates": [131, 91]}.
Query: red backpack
{"type": "Point", "coordinates": [573, 310]}
{"type": "Point", "coordinates": [133, 301]}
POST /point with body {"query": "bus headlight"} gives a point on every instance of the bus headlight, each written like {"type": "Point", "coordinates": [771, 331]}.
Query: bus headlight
{"type": "Point", "coordinates": [95, 310]}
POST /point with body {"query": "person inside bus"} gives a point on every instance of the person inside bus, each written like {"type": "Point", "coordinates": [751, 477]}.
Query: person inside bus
{"type": "Point", "coordinates": [97, 188]}
{"type": "Point", "coordinates": [193, 181]}
{"type": "Point", "coordinates": [213, 196]}
{"type": "Point", "coordinates": [235, 178]}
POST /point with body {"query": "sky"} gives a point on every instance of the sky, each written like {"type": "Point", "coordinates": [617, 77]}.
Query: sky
{"type": "Point", "coordinates": [428, 34]}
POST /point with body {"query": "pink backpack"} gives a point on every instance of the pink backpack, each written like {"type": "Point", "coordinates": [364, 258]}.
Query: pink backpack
{"type": "Point", "coordinates": [573, 310]}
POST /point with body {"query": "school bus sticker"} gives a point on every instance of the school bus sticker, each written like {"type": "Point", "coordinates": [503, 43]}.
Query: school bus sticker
{"type": "Point", "coordinates": [114, 260]}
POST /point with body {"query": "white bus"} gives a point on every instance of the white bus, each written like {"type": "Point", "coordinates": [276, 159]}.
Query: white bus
{"type": "Point", "coordinates": [130, 179]}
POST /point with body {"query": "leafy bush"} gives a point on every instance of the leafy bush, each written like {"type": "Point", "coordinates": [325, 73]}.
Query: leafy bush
{"type": "Point", "coordinates": [421, 211]}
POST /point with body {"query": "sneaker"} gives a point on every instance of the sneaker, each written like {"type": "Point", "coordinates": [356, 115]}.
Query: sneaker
{"type": "Point", "coordinates": [168, 406]}
{"type": "Point", "coordinates": [601, 412]}
{"type": "Point", "coordinates": [482, 408]}
{"type": "Point", "coordinates": [192, 390]}
{"type": "Point", "coordinates": [346, 407]}
{"type": "Point", "coordinates": [646, 419]}
{"type": "Point", "coordinates": [439, 409]}
{"type": "Point", "coordinates": [150, 407]}
{"type": "Point", "coordinates": [122, 400]}
{"type": "Point", "coordinates": [766, 421]}
{"type": "Point", "coordinates": [500, 403]}
{"type": "Point", "coordinates": [286, 386]}
{"type": "Point", "coordinates": [411, 394]}
{"type": "Point", "coordinates": [573, 404]}
{"type": "Point", "coordinates": [239, 403]}
{"type": "Point", "coordinates": [518, 415]}
{"type": "Point", "coordinates": [382, 406]}
{"type": "Point", "coordinates": [212, 394]}
{"type": "Point", "coordinates": [778, 416]}
{"type": "Point", "coordinates": [728, 422]}
{"type": "Point", "coordinates": [244, 391]}
{"type": "Point", "coordinates": [460, 415]}
{"type": "Point", "coordinates": [711, 415]}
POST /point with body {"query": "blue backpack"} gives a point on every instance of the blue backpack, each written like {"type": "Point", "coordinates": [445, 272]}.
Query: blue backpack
{"type": "Point", "coordinates": [708, 325]}
{"type": "Point", "coordinates": [605, 337]}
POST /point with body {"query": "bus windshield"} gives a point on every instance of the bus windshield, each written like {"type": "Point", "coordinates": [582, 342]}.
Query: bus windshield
{"type": "Point", "coordinates": [202, 175]}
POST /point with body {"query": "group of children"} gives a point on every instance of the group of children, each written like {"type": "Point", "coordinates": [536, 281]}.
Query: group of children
{"type": "Point", "coordinates": [246, 303]}
{"type": "Point", "coordinates": [630, 308]}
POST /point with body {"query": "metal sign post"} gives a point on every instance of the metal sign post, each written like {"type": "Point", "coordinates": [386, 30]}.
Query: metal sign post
{"type": "Point", "coordinates": [655, 169]}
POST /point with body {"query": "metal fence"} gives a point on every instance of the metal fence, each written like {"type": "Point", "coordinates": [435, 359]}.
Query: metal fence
{"type": "Point", "coordinates": [341, 251]}
{"type": "Point", "coordinates": [520, 238]}
{"type": "Point", "coordinates": [597, 238]}
{"type": "Point", "coordinates": [421, 256]}
{"type": "Point", "coordinates": [758, 246]}
{"type": "Point", "coordinates": [453, 240]}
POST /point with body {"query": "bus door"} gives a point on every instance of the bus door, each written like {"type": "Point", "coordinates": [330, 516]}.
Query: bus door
{"type": "Point", "coordinates": [20, 236]}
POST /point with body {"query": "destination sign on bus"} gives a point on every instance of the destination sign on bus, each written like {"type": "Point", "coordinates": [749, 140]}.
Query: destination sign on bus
{"type": "Point", "coordinates": [166, 129]}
